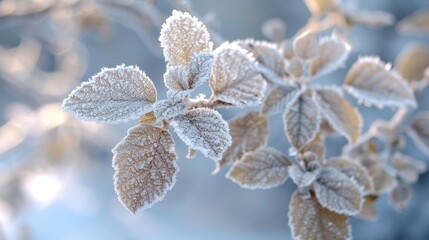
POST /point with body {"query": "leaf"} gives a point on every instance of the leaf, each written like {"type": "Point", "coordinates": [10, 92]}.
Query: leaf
{"type": "Point", "coordinates": [264, 168]}
{"type": "Point", "coordinates": [415, 24]}
{"type": "Point", "coordinates": [383, 181]}
{"type": "Point", "coordinates": [235, 79]}
{"type": "Point", "coordinates": [112, 96]}
{"type": "Point", "coordinates": [419, 132]}
{"type": "Point", "coordinates": [197, 72]}
{"type": "Point", "coordinates": [205, 130]}
{"type": "Point", "coordinates": [183, 36]}
{"type": "Point", "coordinates": [412, 62]}
{"type": "Point", "coordinates": [368, 211]}
{"type": "Point", "coordinates": [295, 67]}
{"type": "Point", "coordinates": [280, 99]}
{"type": "Point", "coordinates": [352, 170]}
{"type": "Point", "coordinates": [300, 177]}
{"type": "Point", "coordinates": [337, 192]}
{"type": "Point", "coordinates": [305, 46]}
{"type": "Point", "coordinates": [407, 168]}
{"type": "Point", "coordinates": [308, 220]}
{"type": "Point", "coordinates": [341, 115]}
{"type": "Point", "coordinates": [274, 29]}
{"type": "Point", "coordinates": [370, 18]}
{"type": "Point", "coordinates": [145, 167]}
{"type": "Point", "coordinates": [318, 7]}
{"type": "Point", "coordinates": [332, 54]}
{"type": "Point", "coordinates": [166, 109]}
{"type": "Point", "coordinates": [248, 132]}
{"type": "Point", "coordinates": [400, 196]}
{"type": "Point", "coordinates": [316, 146]}
{"type": "Point", "coordinates": [372, 81]}
{"type": "Point", "coordinates": [302, 122]}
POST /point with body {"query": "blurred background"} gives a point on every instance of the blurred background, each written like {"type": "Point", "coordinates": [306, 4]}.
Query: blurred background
{"type": "Point", "coordinates": [56, 179]}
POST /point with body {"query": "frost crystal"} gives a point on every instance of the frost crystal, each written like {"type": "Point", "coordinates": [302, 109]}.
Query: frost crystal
{"type": "Point", "coordinates": [183, 36]}
{"type": "Point", "coordinates": [235, 79]}
{"type": "Point", "coordinates": [205, 130]}
{"type": "Point", "coordinates": [263, 168]}
{"type": "Point", "coordinates": [145, 167]}
{"type": "Point", "coordinates": [112, 96]}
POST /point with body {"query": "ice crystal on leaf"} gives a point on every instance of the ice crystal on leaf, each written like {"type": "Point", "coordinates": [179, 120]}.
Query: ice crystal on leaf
{"type": "Point", "coordinates": [308, 220]}
{"type": "Point", "coordinates": [205, 130]}
{"type": "Point", "coordinates": [182, 36]}
{"type": "Point", "coordinates": [235, 79]}
{"type": "Point", "coordinates": [165, 109]}
{"type": "Point", "coordinates": [302, 178]}
{"type": "Point", "coordinates": [371, 80]}
{"type": "Point", "coordinates": [112, 96]}
{"type": "Point", "coordinates": [145, 166]}
{"type": "Point", "coordinates": [263, 168]}
{"type": "Point", "coordinates": [280, 99]}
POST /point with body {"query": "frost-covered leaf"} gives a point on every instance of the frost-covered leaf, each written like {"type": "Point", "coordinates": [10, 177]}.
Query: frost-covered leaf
{"type": "Point", "coordinates": [295, 67]}
{"type": "Point", "coordinates": [306, 46]}
{"type": "Point", "coordinates": [177, 96]}
{"type": "Point", "coordinates": [308, 220]}
{"type": "Point", "coordinates": [368, 211]}
{"type": "Point", "coordinates": [248, 132]}
{"type": "Point", "coordinates": [301, 121]}
{"type": "Point", "coordinates": [263, 168]}
{"type": "Point", "coordinates": [235, 79]}
{"type": "Point", "coordinates": [316, 146]}
{"type": "Point", "coordinates": [302, 178]}
{"type": "Point", "coordinates": [370, 18]}
{"type": "Point", "coordinates": [419, 132]}
{"type": "Point", "coordinates": [205, 130]}
{"type": "Point", "coordinates": [412, 62]}
{"type": "Point", "coordinates": [415, 24]}
{"type": "Point", "coordinates": [145, 166]}
{"type": "Point", "coordinates": [280, 98]}
{"type": "Point", "coordinates": [318, 7]}
{"type": "Point", "coordinates": [112, 96]}
{"type": "Point", "coordinates": [165, 109]}
{"type": "Point", "coordinates": [352, 170]}
{"type": "Point", "coordinates": [400, 196]}
{"type": "Point", "coordinates": [197, 72]}
{"type": "Point", "coordinates": [373, 82]}
{"type": "Point", "coordinates": [407, 168]}
{"type": "Point", "coordinates": [341, 115]}
{"type": "Point", "coordinates": [333, 52]}
{"type": "Point", "coordinates": [383, 181]}
{"type": "Point", "coordinates": [183, 36]}
{"type": "Point", "coordinates": [337, 192]}
{"type": "Point", "coordinates": [274, 29]}
{"type": "Point", "coordinates": [148, 118]}
{"type": "Point", "coordinates": [287, 47]}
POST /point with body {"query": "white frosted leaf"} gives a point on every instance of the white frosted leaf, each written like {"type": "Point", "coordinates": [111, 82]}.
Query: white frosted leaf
{"type": "Point", "coordinates": [412, 62]}
{"type": "Point", "coordinates": [333, 53]}
{"type": "Point", "coordinates": [248, 132]}
{"type": "Point", "coordinates": [300, 177]}
{"type": "Point", "coordinates": [205, 130]}
{"type": "Point", "coordinates": [306, 46]}
{"type": "Point", "coordinates": [419, 132]}
{"type": "Point", "coordinates": [302, 121]}
{"type": "Point", "coordinates": [112, 96]}
{"type": "Point", "coordinates": [145, 166]}
{"type": "Point", "coordinates": [165, 109]}
{"type": "Point", "coordinates": [415, 24]}
{"type": "Point", "coordinates": [400, 196]}
{"type": "Point", "coordinates": [183, 36]}
{"type": "Point", "coordinates": [197, 72]}
{"type": "Point", "coordinates": [295, 67]}
{"type": "Point", "coordinates": [407, 168]}
{"type": "Point", "coordinates": [337, 192]}
{"type": "Point", "coordinates": [235, 79]}
{"type": "Point", "coordinates": [308, 220]}
{"type": "Point", "coordinates": [280, 99]}
{"type": "Point", "coordinates": [371, 81]}
{"type": "Point", "coordinates": [340, 114]}
{"type": "Point", "coordinates": [382, 180]}
{"type": "Point", "coordinates": [177, 96]}
{"type": "Point", "coordinates": [261, 169]}
{"type": "Point", "coordinates": [353, 170]}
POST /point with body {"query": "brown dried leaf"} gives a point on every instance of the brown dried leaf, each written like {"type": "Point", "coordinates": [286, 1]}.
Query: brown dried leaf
{"type": "Point", "coordinates": [337, 192]}
{"type": "Point", "coordinates": [373, 82]}
{"type": "Point", "coordinates": [302, 122]}
{"type": "Point", "coordinates": [352, 170]}
{"type": "Point", "coordinates": [407, 168]}
{"type": "Point", "coordinates": [415, 24]}
{"type": "Point", "coordinates": [400, 196]}
{"type": "Point", "coordinates": [235, 79]}
{"type": "Point", "coordinates": [183, 36]}
{"type": "Point", "coordinates": [264, 168]}
{"type": "Point", "coordinates": [308, 220]}
{"type": "Point", "coordinates": [145, 166]}
{"type": "Point", "coordinates": [368, 211]}
{"type": "Point", "coordinates": [341, 115]}
{"type": "Point", "coordinates": [419, 132]}
{"type": "Point", "coordinates": [280, 99]}
{"type": "Point", "coordinates": [333, 53]}
{"type": "Point", "coordinates": [412, 62]}
{"type": "Point", "coordinates": [248, 132]}
{"type": "Point", "coordinates": [306, 46]}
